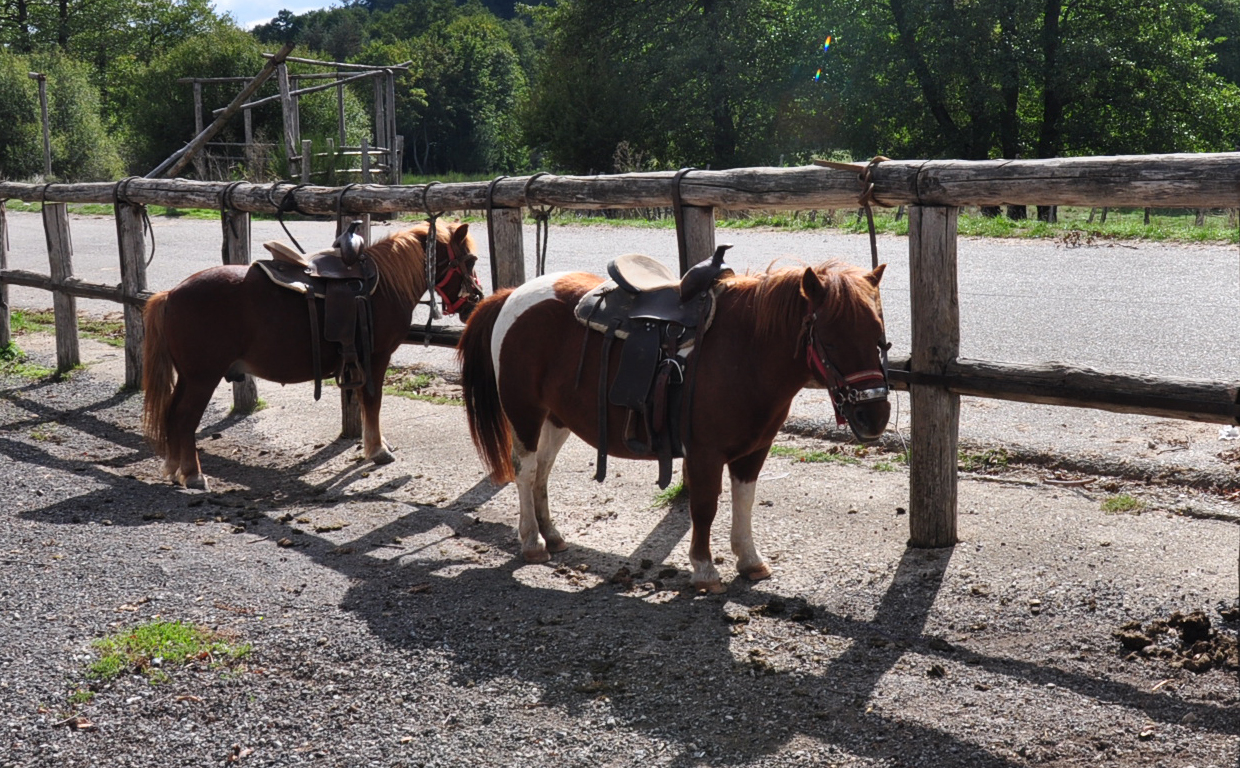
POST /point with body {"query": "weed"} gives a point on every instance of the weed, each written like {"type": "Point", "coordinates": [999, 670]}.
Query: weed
{"type": "Point", "coordinates": [157, 646]}
{"type": "Point", "coordinates": [670, 494]}
{"type": "Point", "coordinates": [980, 461]}
{"type": "Point", "coordinates": [1122, 504]}
{"type": "Point", "coordinates": [884, 466]}
{"type": "Point", "coordinates": [13, 362]}
{"type": "Point", "coordinates": [408, 382]}
{"type": "Point", "coordinates": [834, 455]}
{"type": "Point", "coordinates": [81, 697]}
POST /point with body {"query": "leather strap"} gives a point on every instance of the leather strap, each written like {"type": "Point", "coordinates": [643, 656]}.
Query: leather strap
{"type": "Point", "coordinates": [315, 354]}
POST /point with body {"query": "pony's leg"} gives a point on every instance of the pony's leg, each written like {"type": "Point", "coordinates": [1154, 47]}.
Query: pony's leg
{"type": "Point", "coordinates": [189, 401]}
{"type": "Point", "coordinates": [374, 447]}
{"type": "Point", "coordinates": [705, 483]}
{"type": "Point", "coordinates": [550, 441]}
{"type": "Point", "coordinates": [744, 472]}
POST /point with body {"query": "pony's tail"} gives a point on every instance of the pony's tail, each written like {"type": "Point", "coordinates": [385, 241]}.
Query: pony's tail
{"type": "Point", "coordinates": [157, 374]}
{"type": "Point", "coordinates": [488, 426]}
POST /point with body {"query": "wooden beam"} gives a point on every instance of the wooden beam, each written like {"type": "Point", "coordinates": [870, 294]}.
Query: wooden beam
{"type": "Point", "coordinates": [6, 327]}
{"type": "Point", "coordinates": [935, 309]}
{"type": "Point", "coordinates": [131, 242]}
{"type": "Point", "coordinates": [236, 250]}
{"type": "Point", "coordinates": [173, 165]}
{"type": "Point", "coordinates": [508, 258]}
{"type": "Point", "coordinates": [64, 305]}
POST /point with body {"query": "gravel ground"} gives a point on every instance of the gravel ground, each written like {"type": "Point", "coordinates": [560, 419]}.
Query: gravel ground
{"type": "Point", "coordinates": [393, 622]}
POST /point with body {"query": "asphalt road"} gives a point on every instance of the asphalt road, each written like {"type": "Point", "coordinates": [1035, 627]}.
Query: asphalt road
{"type": "Point", "coordinates": [1143, 308]}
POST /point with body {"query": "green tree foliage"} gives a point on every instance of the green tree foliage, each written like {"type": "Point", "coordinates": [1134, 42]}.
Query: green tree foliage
{"type": "Point", "coordinates": [82, 150]}
{"type": "Point", "coordinates": [706, 82]}
{"type": "Point", "coordinates": [1027, 78]}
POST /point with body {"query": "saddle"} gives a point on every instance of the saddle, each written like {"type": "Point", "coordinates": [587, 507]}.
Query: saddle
{"type": "Point", "coordinates": [343, 280]}
{"type": "Point", "coordinates": [661, 319]}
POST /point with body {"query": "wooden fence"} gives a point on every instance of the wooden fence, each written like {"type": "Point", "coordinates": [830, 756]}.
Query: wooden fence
{"type": "Point", "coordinates": [933, 191]}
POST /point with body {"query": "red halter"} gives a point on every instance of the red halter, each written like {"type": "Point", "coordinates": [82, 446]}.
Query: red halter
{"type": "Point", "coordinates": [470, 287]}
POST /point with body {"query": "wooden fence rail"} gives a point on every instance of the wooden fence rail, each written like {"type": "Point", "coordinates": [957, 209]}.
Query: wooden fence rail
{"type": "Point", "coordinates": [933, 191]}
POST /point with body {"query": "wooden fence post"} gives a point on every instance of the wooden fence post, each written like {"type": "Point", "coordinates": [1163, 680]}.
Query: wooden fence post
{"type": "Point", "coordinates": [6, 328]}
{"type": "Point", "coordinates": [131, 241]}
{"type": "Point", "coordinates": [699, 234]}
{"type": "Point", "coordinates": [935, 304]}
{"type": "Point", "coordinates": [508, 260]}
{"type": "Point", "coordinates": [307, 159]}
{"type": "Point", "coordinates": [60, 259]}
{"type": "Point", "coordinates": [237, 251]}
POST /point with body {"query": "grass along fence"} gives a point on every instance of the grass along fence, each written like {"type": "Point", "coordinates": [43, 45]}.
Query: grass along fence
{"type": "Point", "coordinates": [932, 192]}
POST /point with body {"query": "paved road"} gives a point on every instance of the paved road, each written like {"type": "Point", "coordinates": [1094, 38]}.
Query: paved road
{"type": "Point", "coordinates": [1161, 309]}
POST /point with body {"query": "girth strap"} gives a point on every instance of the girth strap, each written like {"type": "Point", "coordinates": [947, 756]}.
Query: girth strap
{"type": "Point", "coordinates": [315, 354]}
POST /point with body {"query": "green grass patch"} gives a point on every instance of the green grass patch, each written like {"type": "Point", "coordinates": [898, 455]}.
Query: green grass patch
{"type": "Point", "coordinates": [1122, 504]}
{"type": "Point", "coordinates": [414, 384]}
{"type": "Point", "coordinates": [155, 648]}
{"type": "Point", "coordinates": [13, 362]}
{"type": "Point", "coordinates": [982, 461]}
{"type": "Point", "coordinates": [670, 494]}
{"type": "Point", "coordinates": [109, 331]}
{"type": "Point", "coordinates": [831, 455]}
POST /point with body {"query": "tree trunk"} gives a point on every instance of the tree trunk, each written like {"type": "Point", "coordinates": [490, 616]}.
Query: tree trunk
{"type": "Point", "coordinates": [1052, 100]}
{"type": "Point", "coordinates": [1017, 212]}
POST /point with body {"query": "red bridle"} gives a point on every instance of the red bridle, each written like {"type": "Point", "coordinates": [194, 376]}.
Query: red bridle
{"type": "Point", "coordinates": [470, 287]}
{"type": "Point", "coordinates": [847, 391]}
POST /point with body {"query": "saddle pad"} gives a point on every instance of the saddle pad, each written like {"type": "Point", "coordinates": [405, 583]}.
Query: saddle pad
{"type": "Point", "coordinates": [282, 252]}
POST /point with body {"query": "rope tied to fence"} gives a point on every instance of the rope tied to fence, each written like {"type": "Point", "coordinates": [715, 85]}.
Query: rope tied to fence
{"type": "Point", "coordinates": [229, 223]}
{"type": "Point", "coordinates": [678, 213]}
{"type": "Point", "coordinates": [120, 195]}
{"type": "Point", "coordinates": [491, 231]}
{"type": "Point", "coordinates": [431, 257]}
{"type": "Point", "coordinates": [287, 203]}
{"type": "Point", "coordinates": [542, 225]}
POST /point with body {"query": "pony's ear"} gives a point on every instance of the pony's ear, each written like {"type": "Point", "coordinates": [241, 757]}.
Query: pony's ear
{"type": "Point", "coordinates": [812, 288]}
{"type": "Point", "coordinates": [460, 233]}
{"type": "Point", "coordinates": [877, 274]}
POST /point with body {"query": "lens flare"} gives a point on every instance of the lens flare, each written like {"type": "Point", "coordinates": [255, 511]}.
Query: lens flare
{"type": "Point", "coordinates": [827, 45]}
{"type": "Point", "coordinates": [817, 75]}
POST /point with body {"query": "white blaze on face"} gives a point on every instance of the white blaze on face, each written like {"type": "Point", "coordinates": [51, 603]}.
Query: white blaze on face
{"type": "Point", "coordinates": [527, 295]}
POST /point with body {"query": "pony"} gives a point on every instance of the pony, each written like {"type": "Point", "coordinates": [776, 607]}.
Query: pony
{"type": "Point", "coordinates": [523, 352]}
{"type": "Point", "coordinates": [231, 320]}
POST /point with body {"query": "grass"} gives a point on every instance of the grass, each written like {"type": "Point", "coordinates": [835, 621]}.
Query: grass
{"type": "Point", "coordinates": [111, 332]}
{"type": "Point", "coordinates": [834, 455]}
{"type": "Point", "coordinates": [154, 648]}
{"type": "Point", "coordinates": [410, 383]}
{"type": "Point", "coordinates": [13, 362]}
{"type": "Point", "coordinates": [1121, 504]}
{"type": "Point", "coordinates": [670, 494]}
{"type": "Point", "coordinates": [981, 461]}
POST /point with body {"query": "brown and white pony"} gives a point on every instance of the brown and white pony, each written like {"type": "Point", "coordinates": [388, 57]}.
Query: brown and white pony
{"type": "Point", "coordinates": [772, 334]}
{"type": "Point", "coordinates": [233, 320]}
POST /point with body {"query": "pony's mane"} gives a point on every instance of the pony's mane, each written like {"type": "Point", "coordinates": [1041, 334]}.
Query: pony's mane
{"type": "Point", "coordinates": [402, 261]}
{"type": "Point", "coordinates": [779, 307]}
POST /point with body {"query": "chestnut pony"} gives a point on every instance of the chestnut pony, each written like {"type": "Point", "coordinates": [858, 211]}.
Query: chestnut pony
{"type": "Point", "coordinates": [772, 333]}
{"type": "Point", "coordinates": [233, 320]}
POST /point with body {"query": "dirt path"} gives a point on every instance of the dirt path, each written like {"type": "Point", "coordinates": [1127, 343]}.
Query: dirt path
{"type": "Point", "coordinates": [393, 622]}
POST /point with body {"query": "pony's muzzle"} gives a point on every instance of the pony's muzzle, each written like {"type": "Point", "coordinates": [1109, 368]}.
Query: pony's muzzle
{"type": "Point", "coordinates": [868, 419]}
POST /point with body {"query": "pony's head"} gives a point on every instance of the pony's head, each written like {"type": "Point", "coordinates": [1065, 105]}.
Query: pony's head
{"type": "Point", "coordinates": [846, 345]}
{"type": "Point", "coordinates": [455, 281]}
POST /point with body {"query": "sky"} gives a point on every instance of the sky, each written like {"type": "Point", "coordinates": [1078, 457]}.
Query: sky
{"type": "Point", "coordinates": [250, 13]}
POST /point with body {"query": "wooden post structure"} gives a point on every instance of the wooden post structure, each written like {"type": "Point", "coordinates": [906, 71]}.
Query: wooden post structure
{"type": "Point", "coordinates": [237, 251]}
{"type": "Point", "coordinates": [64, 305]}
{"type": "Point", "coordinates": [307, 157]}
{"type": "Point", "coordinates": [935, 304]}
{"type": "Point", "coordinates": [365, 149]}
{"type": "Point", "coordinates": [508, 258]}
{"type": "Point", "coordinates": [393, 146]}
{"type": "Point", "coordinates": [286, 109]}
{"type": "Point", "coordinates": [47, 138]}
{"type": "Point", "coordinates": [6, 327]}
{"type": "Point", "coordinates": [131, 241]}
{"type": "Point", "coordinates": [699, 235]}
{"type": "Point", "coordinates": [199, 165]}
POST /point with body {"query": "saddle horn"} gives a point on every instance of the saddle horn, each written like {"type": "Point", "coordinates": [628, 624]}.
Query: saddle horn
{"type": "Point", "coordinates": [703, 275]}
{"type": "Point", "coordinates": [350, 244]}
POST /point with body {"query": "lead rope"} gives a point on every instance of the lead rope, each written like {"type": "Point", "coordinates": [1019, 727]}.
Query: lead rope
{"type": "Point", "coordinates": [491, 232]}
{"type": "Point", "coordinates": [430, 255]}
{"type": "Point", "coordinates": [287, 203]}
{"type": "Point", "coordinates": [542, 226]}
{"type": "Point", "coordinates": [678, 213]}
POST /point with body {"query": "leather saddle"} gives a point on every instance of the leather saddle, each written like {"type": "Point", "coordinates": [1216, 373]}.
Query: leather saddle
{"type": "Point", "coordinates": [660, 319]}
{"type": "Point", "coordinates": [343, 286]}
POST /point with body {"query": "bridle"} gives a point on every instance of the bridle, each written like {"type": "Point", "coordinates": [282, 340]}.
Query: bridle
{"type": "Point", "coordinates": [456, 265]}
{"type": "Point", "coordinates": [847, 391]}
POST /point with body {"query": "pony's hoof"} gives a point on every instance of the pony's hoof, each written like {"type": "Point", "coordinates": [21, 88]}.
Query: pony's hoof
{"type": "Point", "coordinates": [534, 556]}
{"type": "Point", "coordinates": [383, 457]}
{"type": "Point", "coordinates": [756, 572]}
{"type": "Point", "coordinates": [556, 545]}
{"type": "Point", "coordinates": [712, 587]}
{"type": "Point", "coordinates": [197, 482]}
